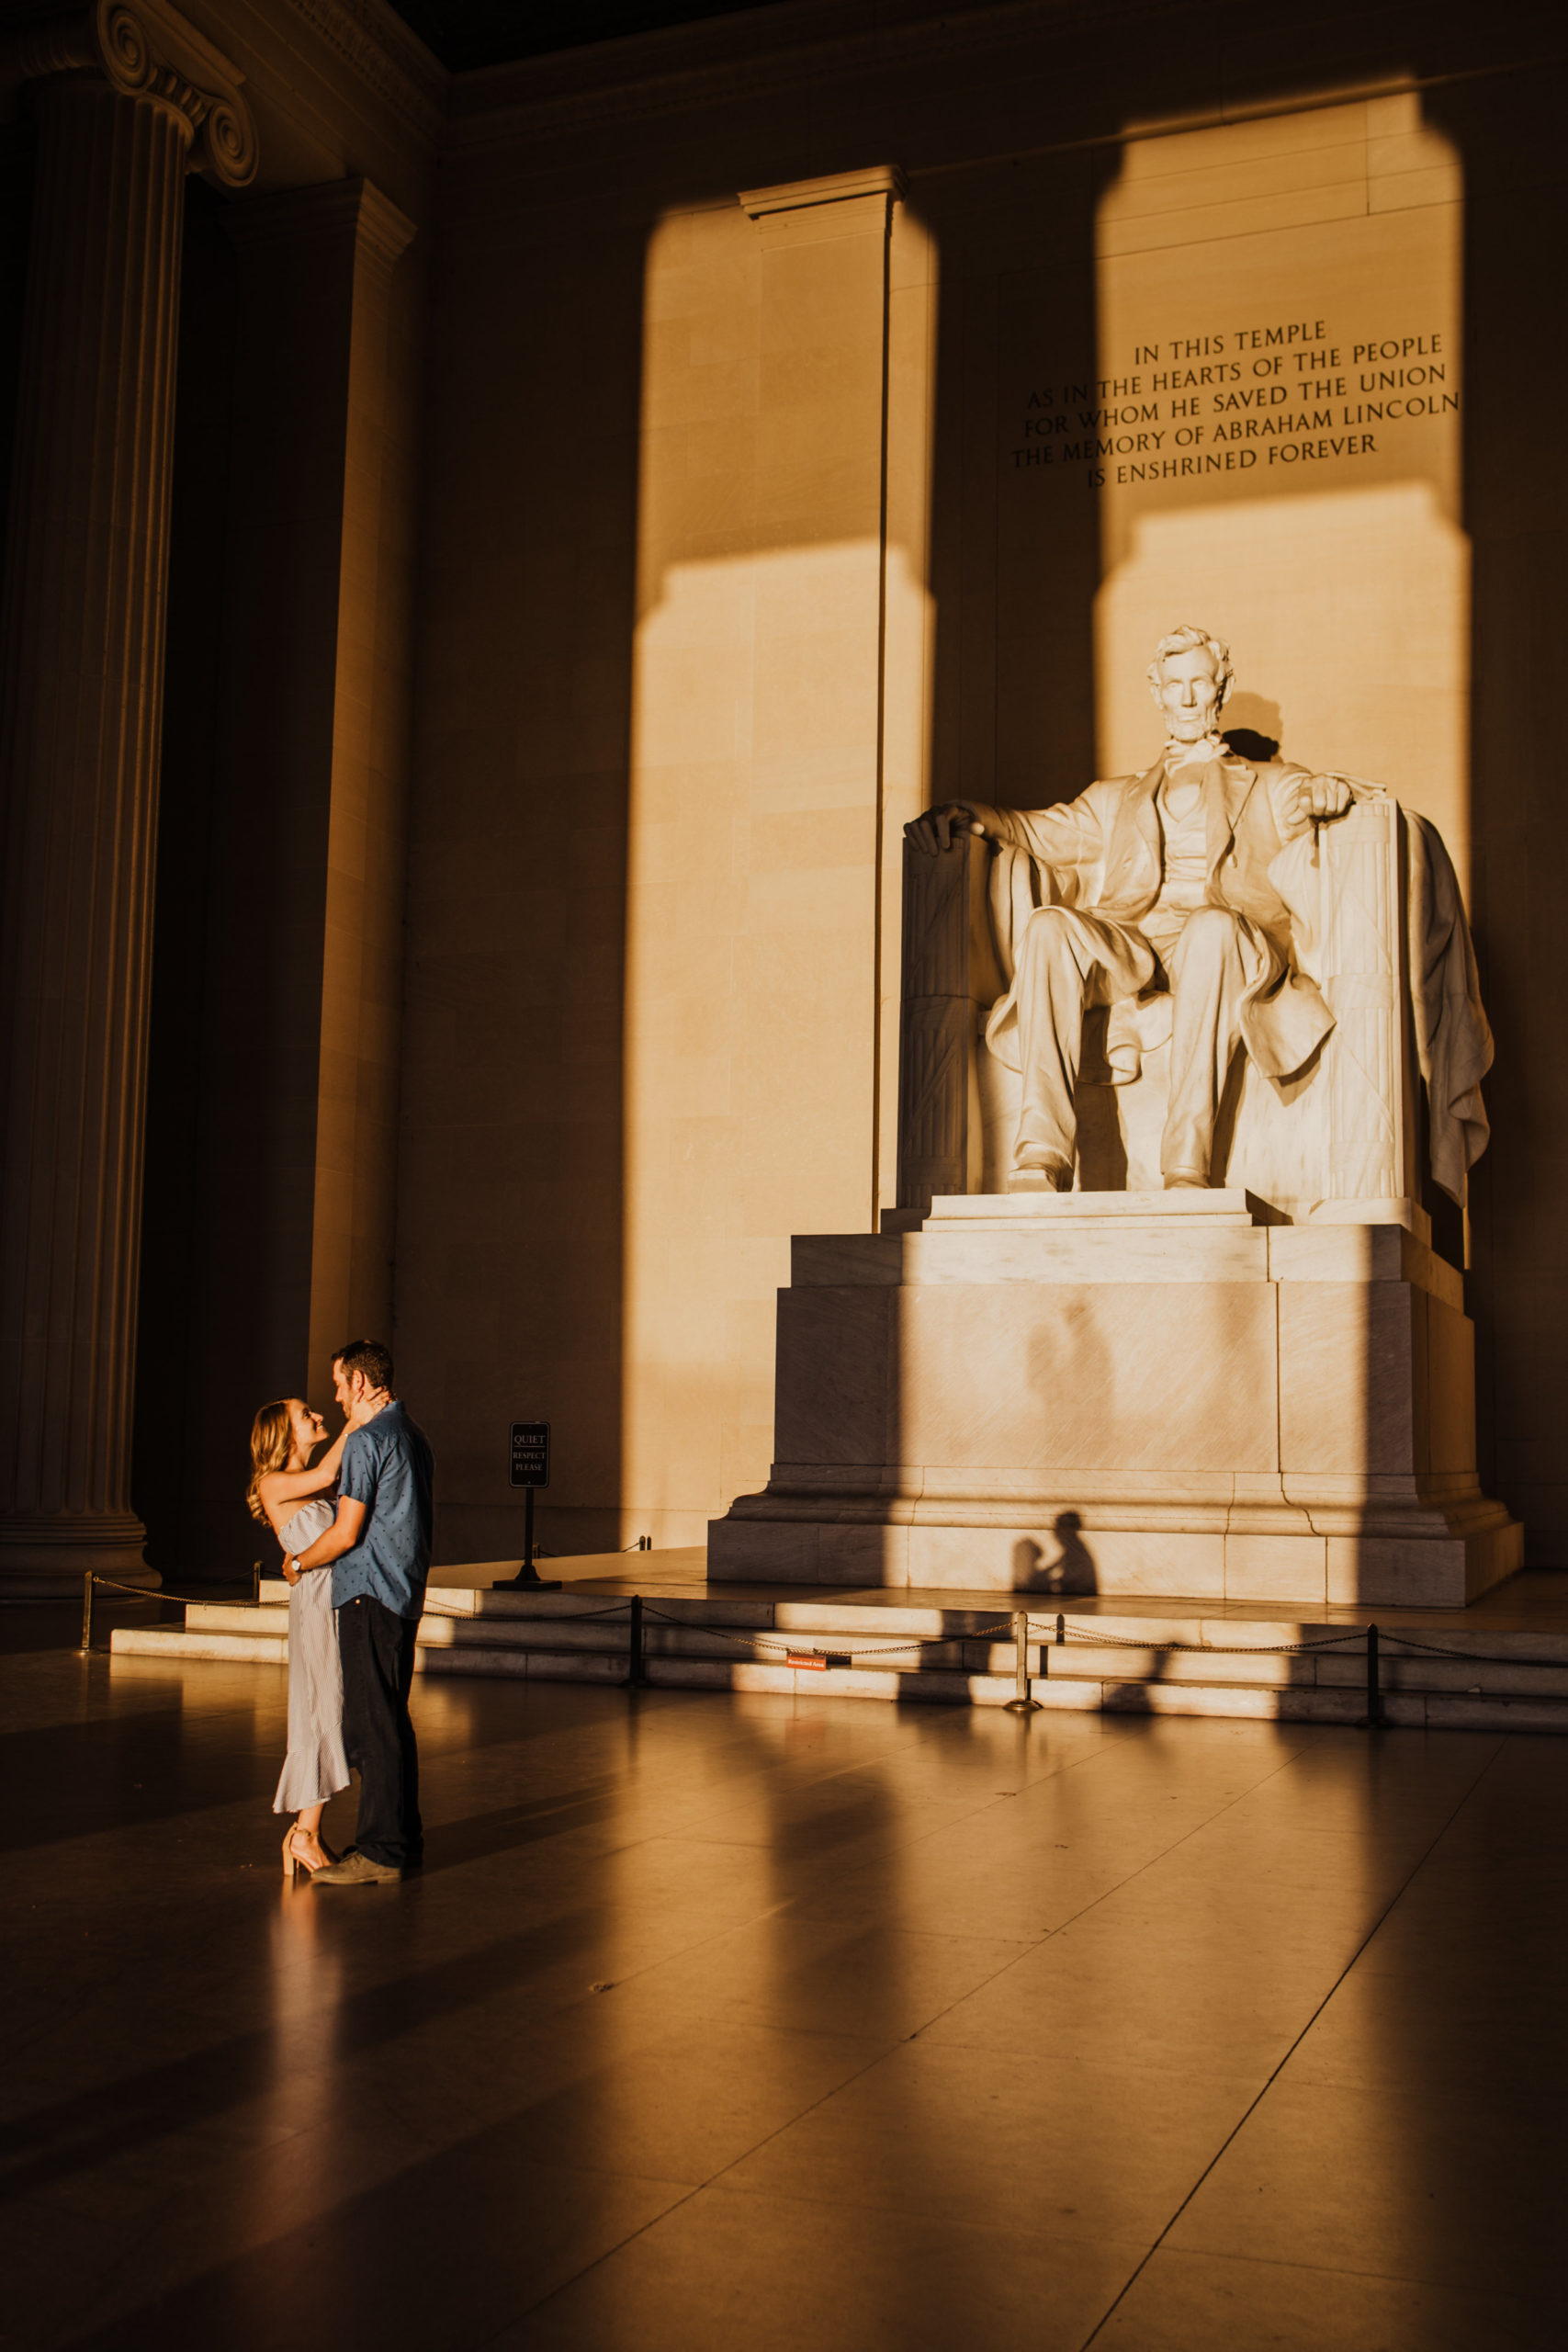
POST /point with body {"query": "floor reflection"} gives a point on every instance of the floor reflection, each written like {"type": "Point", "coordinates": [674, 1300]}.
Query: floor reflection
{"type": "Point", "coordinates": [778, 2020]}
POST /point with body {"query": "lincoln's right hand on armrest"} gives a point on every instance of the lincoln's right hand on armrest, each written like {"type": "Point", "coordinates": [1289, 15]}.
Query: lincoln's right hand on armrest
{"type": "Point", "coordinates": [937, 829]}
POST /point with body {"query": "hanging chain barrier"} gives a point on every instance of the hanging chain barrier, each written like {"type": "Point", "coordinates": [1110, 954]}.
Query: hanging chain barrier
{"type": "Point", "coordinates": [1374, 1719]}
{"type": "Point", "coordinates": [1370, 1638]}
{"type": "Point", "coordinates": [92, 1580]}
{"type": "Point", "coordinates": [769, 1648]}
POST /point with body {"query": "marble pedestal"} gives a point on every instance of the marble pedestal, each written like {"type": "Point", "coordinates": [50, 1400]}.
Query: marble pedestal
{"type": "Point", "coordinates": [1126, 1393]}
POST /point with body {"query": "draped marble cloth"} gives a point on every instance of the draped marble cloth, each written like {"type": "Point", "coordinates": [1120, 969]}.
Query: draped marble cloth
{"type": "Point", "coordinates": [1099, 857]}
{"type": "Point", "coordinates": [1453, 1039]}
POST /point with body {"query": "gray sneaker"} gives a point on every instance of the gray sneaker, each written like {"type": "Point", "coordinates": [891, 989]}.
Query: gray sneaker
{"type": "Point", "coordinates": [358, 1870]}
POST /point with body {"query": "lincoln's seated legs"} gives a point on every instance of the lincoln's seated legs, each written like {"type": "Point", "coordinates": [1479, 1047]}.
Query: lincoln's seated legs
{"type": "Point", "coordinates": [1207, 979]}
{"type": "Point", "coordinates": [1069, 961]}
{"type": "Point", "coordinates": [1066, 961]}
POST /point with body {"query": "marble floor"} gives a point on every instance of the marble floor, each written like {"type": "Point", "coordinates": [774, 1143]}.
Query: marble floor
{"type": "Point", "coordinates": [723, 2022]}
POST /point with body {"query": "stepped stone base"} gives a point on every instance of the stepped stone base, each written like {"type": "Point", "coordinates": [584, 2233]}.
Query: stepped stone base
{"type": "Point", "coordinates": [1499, 1672]}
{"type": "Point", "coordinates": [1127, 1393]}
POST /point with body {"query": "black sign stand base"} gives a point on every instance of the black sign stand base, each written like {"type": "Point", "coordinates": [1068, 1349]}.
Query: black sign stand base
{"type": "Point", "coordinates": [528, 1578]}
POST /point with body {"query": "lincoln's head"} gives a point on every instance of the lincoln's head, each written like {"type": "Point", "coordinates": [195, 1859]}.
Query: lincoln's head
{"type": "Point", "coordinates": [1190, 678]}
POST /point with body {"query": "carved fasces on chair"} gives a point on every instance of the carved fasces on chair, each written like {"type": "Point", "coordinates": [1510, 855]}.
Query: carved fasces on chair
{"type": "Point", "coordinates": [1367, 1057]}
{"type": "Point", "coordinates": [1345, 1129]}
{"type": "Point", "coordinates": [950, 977]}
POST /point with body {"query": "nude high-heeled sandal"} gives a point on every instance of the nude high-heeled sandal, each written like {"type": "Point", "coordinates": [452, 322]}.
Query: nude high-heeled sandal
{"type": "Point", "coordinates": [294, 1863]}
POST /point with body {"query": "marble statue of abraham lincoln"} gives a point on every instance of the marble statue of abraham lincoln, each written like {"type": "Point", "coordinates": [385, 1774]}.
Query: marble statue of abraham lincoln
{"type": "Point", "coordinates": [1156, 882]}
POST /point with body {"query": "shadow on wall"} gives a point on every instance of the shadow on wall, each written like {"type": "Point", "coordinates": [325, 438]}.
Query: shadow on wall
{"type": "Point", "coordinates": [1508, 133]}
{"type": "Point", "coordinates": [508, 1248]}
{"type": "Point", "coordinates": [1013, 713]}
{"type": "Point", "coordinates": [511, 1214]}
{"type": "Point", "coordinates": [179, 1454]}
{"type": "Point", "coordinates": [277, 960]}
{"type": "Point", "coordinates": [1071, 1571]}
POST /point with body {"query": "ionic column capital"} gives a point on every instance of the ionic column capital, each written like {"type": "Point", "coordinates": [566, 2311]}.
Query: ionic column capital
{"type": "Point", "coordinates": [143, 49]}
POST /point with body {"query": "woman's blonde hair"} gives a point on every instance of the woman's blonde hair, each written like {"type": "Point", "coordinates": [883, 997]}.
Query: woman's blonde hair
{"type": "Point", "coordinates": [272, 1442]}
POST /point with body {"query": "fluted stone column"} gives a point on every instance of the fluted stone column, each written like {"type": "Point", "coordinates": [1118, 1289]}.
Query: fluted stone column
{"type": "Point", "coordinates": [126, 101]}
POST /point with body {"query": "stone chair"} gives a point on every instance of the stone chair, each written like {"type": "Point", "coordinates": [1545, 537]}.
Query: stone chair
{"type": "Point", "coordinates": [1341, 1142]}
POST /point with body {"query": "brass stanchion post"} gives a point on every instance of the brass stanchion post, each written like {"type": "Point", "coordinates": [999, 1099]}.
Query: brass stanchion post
{"type": "Point", "coordinates": [1020, 1704]}
{"type": "Point", "coordinates": [1374, 1719]}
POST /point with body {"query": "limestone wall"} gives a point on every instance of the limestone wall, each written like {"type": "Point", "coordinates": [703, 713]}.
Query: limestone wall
{"type": "Point", "coordinates": [744, 530]}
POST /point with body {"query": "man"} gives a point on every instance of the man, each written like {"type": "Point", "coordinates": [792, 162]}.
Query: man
{"type": "Point", "coordinates": [379, 1550]}
{"type": "Point", "coordinates": [1154, 883]}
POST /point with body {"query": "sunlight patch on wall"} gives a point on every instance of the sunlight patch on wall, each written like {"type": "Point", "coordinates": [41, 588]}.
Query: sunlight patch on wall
{"type": "Point", "coordinates": [751, 913]}
{"type": "Point", "coordinates": [1273, 434]}
{"type": "Point", "coordinates": [1347, 614]}
{"type": "Point", "coordinates": [779, 739]}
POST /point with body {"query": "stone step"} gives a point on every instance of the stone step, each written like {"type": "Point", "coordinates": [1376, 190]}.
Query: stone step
{"type": "Point", "coordinates": [236, 1617]}
{"type": "Point", "coordinates": [1522, 1666]}
{"type": "Point", "coordinates": [893, 1621]}
{"type": "Point", "coordinates": [169, 1641]}
{"type": "Point", "coordinates": [1527, 1689]}
{"type": "Point", "coordinates": [1275, 1702]}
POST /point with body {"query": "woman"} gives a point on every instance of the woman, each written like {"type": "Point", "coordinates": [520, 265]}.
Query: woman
{"type": "Point", "coordinates": [283, 1437]}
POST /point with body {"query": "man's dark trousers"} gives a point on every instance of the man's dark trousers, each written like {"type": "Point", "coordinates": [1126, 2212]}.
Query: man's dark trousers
{"type": "Point", "coordinates": [377, 1648]}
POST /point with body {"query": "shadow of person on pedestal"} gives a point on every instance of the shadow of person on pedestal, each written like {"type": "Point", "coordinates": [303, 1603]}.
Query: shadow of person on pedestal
{"type": "Point", "coordinates": [1073, 1569]}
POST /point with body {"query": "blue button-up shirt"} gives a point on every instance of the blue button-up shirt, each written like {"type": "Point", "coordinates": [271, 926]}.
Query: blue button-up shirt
{"type": "Point", "coordinates": [388, 1468]}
